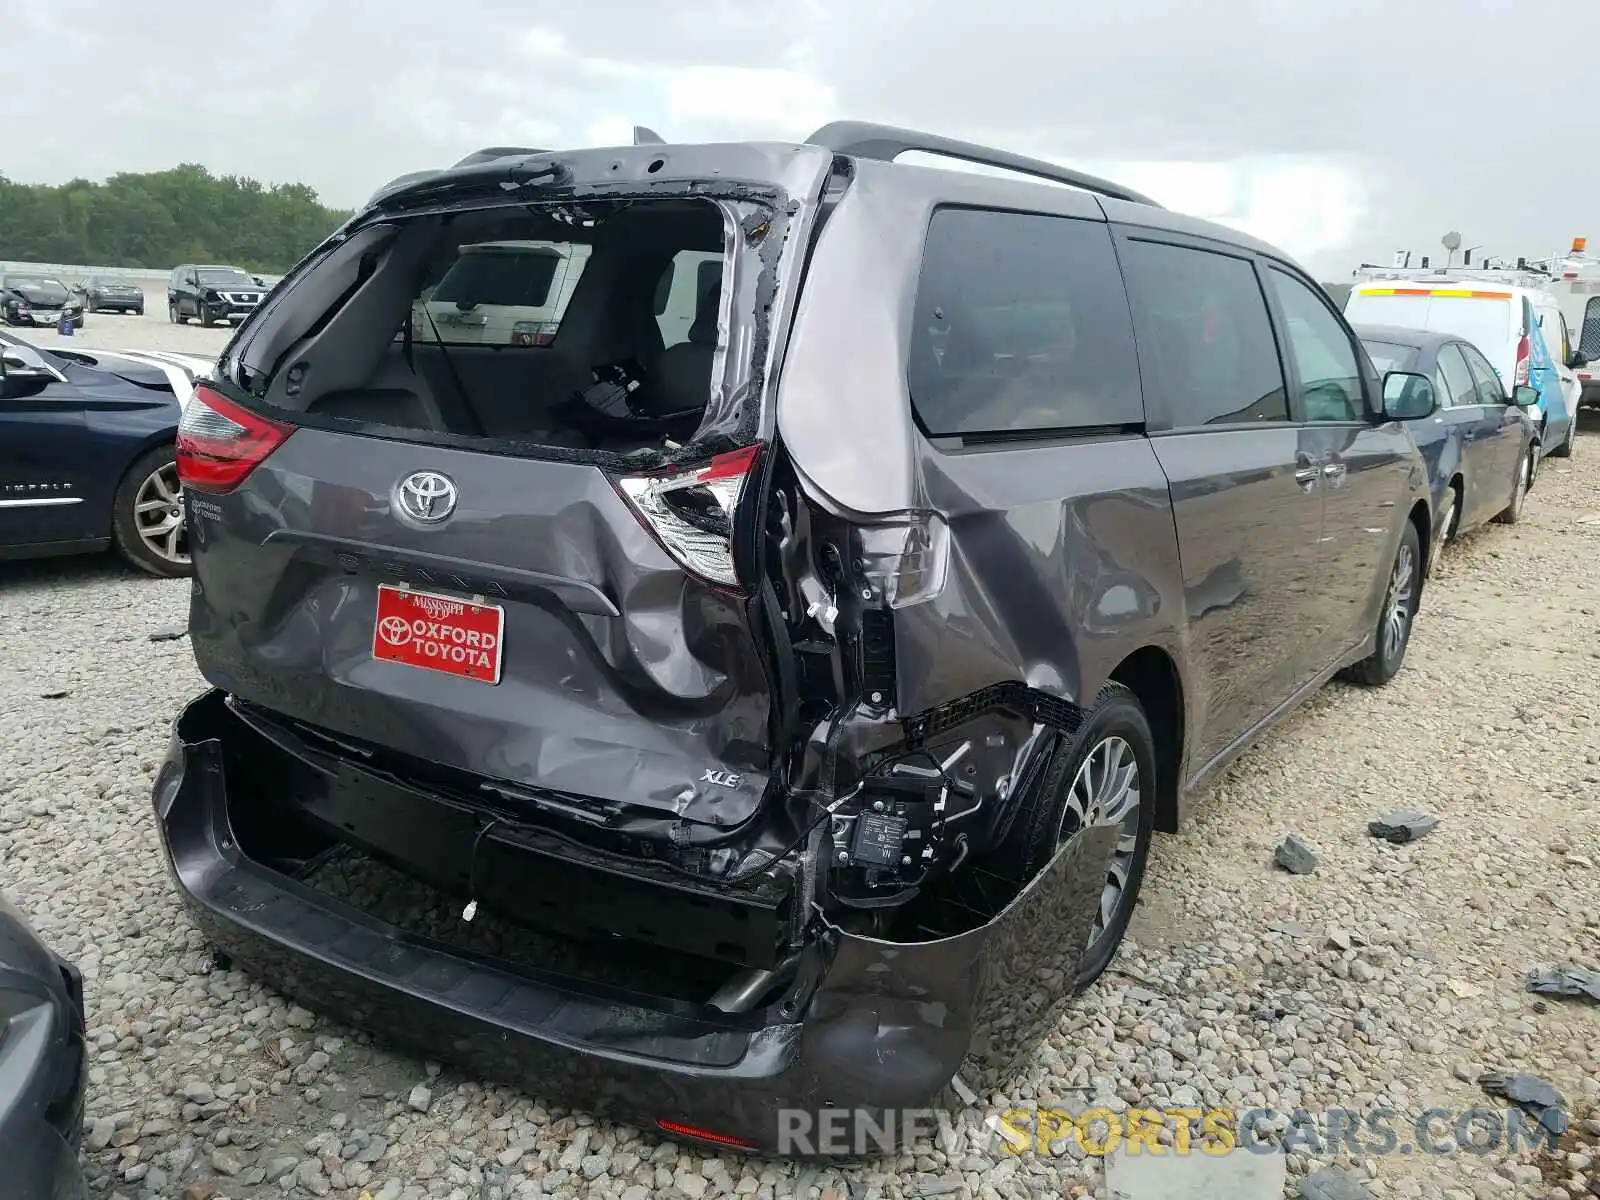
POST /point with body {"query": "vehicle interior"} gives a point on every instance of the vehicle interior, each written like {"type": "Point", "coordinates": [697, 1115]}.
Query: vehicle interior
{"type": "Point", "coordinates": [616, 372]}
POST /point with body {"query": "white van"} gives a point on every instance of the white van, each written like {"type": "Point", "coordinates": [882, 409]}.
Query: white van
{"type": "Point", "coordinates": [1512, 316]}
{"type": "Point", "coordinates": [1575, 280]}
{"type": "Point", "coordinates": [515, 294]}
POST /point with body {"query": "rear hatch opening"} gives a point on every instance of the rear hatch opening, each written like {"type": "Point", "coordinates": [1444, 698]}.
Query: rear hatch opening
{"type": "Point", "coordinates": [590, 332]}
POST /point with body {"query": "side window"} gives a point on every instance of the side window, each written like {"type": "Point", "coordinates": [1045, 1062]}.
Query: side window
{"type": "Point", "coordinates": [1205, 339]}
{"type": "Point", "coordinates": [1020, 325]}
{"type": "Point", "coordinates": [1490, 389]}
{"type": "Point", "coordinates": [1444, 391]}
{"type": "Point", "coordinates": [1463, 389]}
{"type": "Point", "coordinates": [691, 275]}
{"type": "Point", "coordinates": [1589, 335]}
{"type": "Point", "coordinates": [1330, 375]}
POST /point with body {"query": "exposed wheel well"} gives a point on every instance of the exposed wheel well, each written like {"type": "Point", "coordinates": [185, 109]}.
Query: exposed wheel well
{"type": "Point", "coordinates": [1423, 522]}
{"type": "Point", "coordinates": [1151, 675]}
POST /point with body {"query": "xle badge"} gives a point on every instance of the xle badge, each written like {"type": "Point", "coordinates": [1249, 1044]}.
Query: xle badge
{"type": "Point", "coordinates": [721, 778]}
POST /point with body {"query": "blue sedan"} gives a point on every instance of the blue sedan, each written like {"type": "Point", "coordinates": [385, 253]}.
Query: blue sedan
{"type": "Point", "coordinates": [1480, 445]}
{"type": "Point", "coordinates": [86, 453]}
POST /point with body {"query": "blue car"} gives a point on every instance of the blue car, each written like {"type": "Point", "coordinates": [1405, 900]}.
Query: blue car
{"type": "Point", "coordinates": [86, 454]}
{"type": "Point", "coordinates": [1479, 444]}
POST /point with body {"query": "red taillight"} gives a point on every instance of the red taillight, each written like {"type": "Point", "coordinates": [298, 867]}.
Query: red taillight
{"type": "Point", "coordinates": [704, 1135]}
{"type": "Point", "coordinates": [220, 443]}
{"type": "Point", "coordinates": [692, 512]}
{"type": "Point", "coordinates": [1524, 360]}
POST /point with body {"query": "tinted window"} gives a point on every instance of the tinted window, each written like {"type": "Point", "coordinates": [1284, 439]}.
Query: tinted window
{"type": "Point", "coordinates": [1490, 390]}
{"type": "Point", "coordinates": [1388, 356]}
{"type": "Point", "coordinates": [1589, 335]}
{"type": "Point", "coordinates": [1330, 379]}
{"type": "Point", "coordinates": [1462, 387]}
{"type": "Point", "coordinates": [1021, 324]}
{"type": "Point", "coordinates": [1205, 340]}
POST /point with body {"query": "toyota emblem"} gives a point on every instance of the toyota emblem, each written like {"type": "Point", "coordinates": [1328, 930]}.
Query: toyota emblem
{"type": "Point", "coordinates": [426, 496]}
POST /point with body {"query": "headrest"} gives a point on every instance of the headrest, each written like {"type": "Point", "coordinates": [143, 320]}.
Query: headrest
{"type": "Point", "coordinates": [704, 330]}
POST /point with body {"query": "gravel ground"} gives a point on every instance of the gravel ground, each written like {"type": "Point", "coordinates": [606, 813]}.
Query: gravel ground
{"type": "Point", "coordinates": [1389, 977]}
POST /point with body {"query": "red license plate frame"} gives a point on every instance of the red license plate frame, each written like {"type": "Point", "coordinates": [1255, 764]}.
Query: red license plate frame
{"type": "Point", "coordinates": [448, 635]}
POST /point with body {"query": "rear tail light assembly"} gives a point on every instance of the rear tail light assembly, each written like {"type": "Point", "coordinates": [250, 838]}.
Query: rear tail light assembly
{"type": "Point", "coordinates": [533, 333]}
{"type": "Point", "coordinates": [1524, 360]}
{"type": "Point", "coordinates": [904, 560]}
{"type": "Point", "coordinates": [220, 443]}
{"type": "Point", "coordinates": [691, 513]}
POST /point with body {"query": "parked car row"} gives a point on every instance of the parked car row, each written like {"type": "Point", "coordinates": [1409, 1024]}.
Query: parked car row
{"type": "Point", "coordinates": [810, 645]}
{"type": "Point", "coordinates": [1512, 316]}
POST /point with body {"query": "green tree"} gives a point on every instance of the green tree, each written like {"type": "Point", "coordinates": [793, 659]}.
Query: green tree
{"type": "Point", "coordinates": [158, 219]}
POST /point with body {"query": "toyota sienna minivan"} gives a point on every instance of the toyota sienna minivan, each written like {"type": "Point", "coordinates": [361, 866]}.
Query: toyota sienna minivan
{"type": "Point", "coordinates": [775, 706]}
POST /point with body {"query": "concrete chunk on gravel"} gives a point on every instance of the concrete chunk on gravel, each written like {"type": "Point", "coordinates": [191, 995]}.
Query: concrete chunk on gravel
{"type": "Point", "coordinates": [1294, 856]}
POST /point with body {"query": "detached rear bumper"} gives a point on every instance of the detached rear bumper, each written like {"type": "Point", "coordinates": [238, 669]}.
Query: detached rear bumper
{"type": "Point", "coordinates": [880, 1030]}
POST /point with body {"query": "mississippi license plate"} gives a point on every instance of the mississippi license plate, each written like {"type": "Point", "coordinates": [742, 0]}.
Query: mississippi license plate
{"type": "Point", "coordinates": [438, 633]}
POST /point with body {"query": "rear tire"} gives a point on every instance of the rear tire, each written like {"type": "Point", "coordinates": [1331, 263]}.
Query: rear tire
{"type": "Point", "coordinates": [1512, 513]}
{"type": "Point", "coordinates": [1113, 749]}
{"type": "Point", "coordinates": [172, 313]}
{"type": "Point", "coordinates": [151, 485]}
{"type": "Point", "coordinates": [1395, 617]}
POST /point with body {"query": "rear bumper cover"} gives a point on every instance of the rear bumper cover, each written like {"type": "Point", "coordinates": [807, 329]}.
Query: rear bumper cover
{"type": "Point", "coordinates": [43, 1068]}
{"type": "Point", "coordinates": [881, 1035]}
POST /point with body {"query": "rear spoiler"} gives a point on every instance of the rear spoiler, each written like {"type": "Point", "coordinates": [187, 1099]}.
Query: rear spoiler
{"type": "Point", "coordinates": [642, 136]}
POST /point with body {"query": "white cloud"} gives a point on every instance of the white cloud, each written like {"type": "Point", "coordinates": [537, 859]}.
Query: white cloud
{"type": "Point", "coordinates": [768, 101]}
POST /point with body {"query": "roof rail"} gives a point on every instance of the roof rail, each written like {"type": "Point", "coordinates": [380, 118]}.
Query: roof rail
{"type": "Point", "coordinates": [490, 153]}
{"type": "Point", "coordinates": [863, 139]}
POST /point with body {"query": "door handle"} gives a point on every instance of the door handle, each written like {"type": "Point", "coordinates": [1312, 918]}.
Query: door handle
{"type": "Point", "coordinates": [1306, 475]}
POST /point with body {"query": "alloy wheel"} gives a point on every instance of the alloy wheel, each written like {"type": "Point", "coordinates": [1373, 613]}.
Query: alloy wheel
{"type": "Point", "coordinates": [1397, 608]}
{"type": "Point", "coordinates": [158, 515]}
{"type": "Point", "coordinates": [1105, 793]}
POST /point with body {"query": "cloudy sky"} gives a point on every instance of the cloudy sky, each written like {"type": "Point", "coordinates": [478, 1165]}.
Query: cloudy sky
{"type": "Point", "coordinates": [1338, 130]}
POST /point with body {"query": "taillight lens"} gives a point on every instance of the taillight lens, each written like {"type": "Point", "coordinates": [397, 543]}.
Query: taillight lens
{"type": "Point", "coordinates": [219, 443]}
{"type": "Point", "coordinates": [679, 1129]}
{"type": "Point", "coordinates": [904, 560]}
{"type": "Point", "coordinates": [692, 512]}
{"type": "Point", "coordinates": [1524, 360]}
{"type": "Point", "coordinates": [533, 333]}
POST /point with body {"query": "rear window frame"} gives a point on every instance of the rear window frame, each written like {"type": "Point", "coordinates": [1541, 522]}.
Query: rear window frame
{"type": "Point", "coordinates": [1001, 440]}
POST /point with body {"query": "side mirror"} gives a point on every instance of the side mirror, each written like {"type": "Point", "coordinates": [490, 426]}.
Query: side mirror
{"type": "Point", "coordinates": [1525, 396]}
{"type": "Point", "coordinates": [1578, 359]}
{"type": "Point", "coordinates": [1408, 396]}
{"type": "Point", "coordinates": [17, 378]}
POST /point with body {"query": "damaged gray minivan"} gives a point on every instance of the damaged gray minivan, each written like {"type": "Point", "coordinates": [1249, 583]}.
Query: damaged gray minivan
{"type": "Point", "coordinates": [771, 664]}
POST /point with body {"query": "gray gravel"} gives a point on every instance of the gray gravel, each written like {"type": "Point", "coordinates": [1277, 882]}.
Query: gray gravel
{"type": "Point", "coordinates": [1392, 976]}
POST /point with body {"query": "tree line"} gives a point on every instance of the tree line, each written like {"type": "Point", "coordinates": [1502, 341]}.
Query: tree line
{"type": "Point", "coordinates": [159, 219]}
